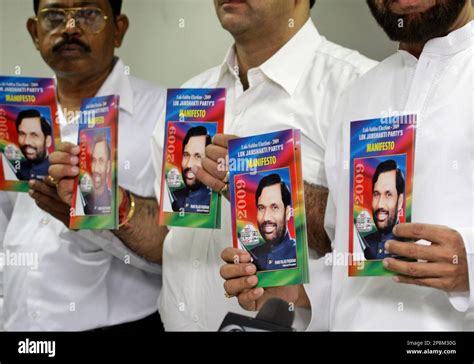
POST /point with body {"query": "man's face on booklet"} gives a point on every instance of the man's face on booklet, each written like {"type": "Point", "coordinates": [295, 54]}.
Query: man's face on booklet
{"type": "Point", "coordinates": [193, 153]}
{"type": "Point", "coordinates": [385, 201]}
{"type": "Point", "coordinates": [271, 214]}
{"type": "Point", "coordinates": [100, 166]}
{"type": "Point", "coordinates": [33, 143]}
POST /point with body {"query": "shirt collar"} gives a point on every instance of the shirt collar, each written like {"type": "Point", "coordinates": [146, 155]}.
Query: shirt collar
{"type": "Point", "coordinates": [229, 65]}
{"type": "Point", "coordinates": [286, 66]}
{"type": "Point", "coordinates": [118, 83]}
{"type": "Point", "coordinates": [455, 42]}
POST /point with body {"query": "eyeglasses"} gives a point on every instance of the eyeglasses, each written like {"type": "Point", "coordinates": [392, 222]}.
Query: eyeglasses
{"type": "Point", "coordinates": [90, 20]}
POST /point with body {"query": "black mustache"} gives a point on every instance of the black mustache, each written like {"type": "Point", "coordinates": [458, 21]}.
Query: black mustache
{"type": "Point", "coordinates": [269, 223]}
{"type": "Point", "coordinates": [71, 41]}
{"type": "Point", "coordinates": [23, 148]}
{"type": "Point", "coordinates": [381, 210]}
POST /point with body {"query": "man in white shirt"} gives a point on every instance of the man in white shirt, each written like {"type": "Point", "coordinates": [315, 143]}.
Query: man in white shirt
{"type": "Point", "coordinates": [279, 74]}
{"type": "Point", "coordinates": [86, 280]}
{"type": "Point", "coordinates": [430, 76]}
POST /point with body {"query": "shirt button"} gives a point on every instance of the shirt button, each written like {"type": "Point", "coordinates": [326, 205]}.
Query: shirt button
{"type": "Point", "coordinates": [45, 220]}
{"type": "Point", "coordinates": [34, 315]}
{"type": "Point", "coordinates": [195, 318]}
{"type": "Point", "coordinates": [196, 263]}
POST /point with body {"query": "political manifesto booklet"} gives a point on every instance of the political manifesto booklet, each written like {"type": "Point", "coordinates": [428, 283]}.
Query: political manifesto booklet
{"type": "Point", "coordinates": [382, 155]}
{"type": "Point", "coordinates": [193, 117]}
{"type": "Point", "coordinates": [28, 130]}
{"type": "Point", "coordinates": [267, 205]}
{"type": "Point", "coordinates": [94, 202]}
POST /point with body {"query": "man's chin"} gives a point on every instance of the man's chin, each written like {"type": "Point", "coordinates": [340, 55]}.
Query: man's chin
{"type": "Point", "coordinates": [34, 158]}
{"type": "Point", "coordinates": [194, 186]}
{"type": "Point", "coordinates": [235, 24]}
{"type": "Point", "coordinates": [272, 238]}
{"type": "Point", "coordinates": [71, 66]}
{"type": "Point", "coordinates": [385, 229]}
{"type": "Point", "coordinates": [272, 241]}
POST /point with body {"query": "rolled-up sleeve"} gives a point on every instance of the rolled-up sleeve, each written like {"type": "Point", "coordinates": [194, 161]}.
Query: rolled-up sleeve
{"type": "Point", "coordinates": [107, 241]}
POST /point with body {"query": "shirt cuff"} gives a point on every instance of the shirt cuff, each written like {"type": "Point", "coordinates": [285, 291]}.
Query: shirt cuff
{"type": "Point", "coordinates": [319, 292]}
{"type": "Point", "coordinates": [107, 241]}
{"type": "Point", "coordinates": [463, 301]}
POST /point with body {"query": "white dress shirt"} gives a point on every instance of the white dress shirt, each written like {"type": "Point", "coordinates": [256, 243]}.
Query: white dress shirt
{"type": "Point", "coordinates": [7, 200]}
{"type": "Point", "coordinates": [298, 87]}
{"type": "Point", "coordinates": [87, 279]}
{"type": "Point", "coordinates": [438, 88]}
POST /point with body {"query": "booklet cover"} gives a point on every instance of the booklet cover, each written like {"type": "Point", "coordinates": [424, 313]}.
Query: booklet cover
{"type": "Point", "coordinates": [94, 202]}
{"type": "Point", "coordinates": [28, 130]}
{"type": "Point", "coordinates": [381, 185]}
{"type": "Point", "coordinates": [267, 206]}
{"type": "Point", "coordinates": [193, 117]}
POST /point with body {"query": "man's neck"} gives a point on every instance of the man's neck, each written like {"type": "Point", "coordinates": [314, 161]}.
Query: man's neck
{"type": "Point", "coordinates": [281, 240]}
{"type": "Point", "coordinates": [38, 161]}
{"type": "Point", "coordinates": [465, 17]}
{"type": "Point", "coordinates": [196, 189]}
{"type": "Point", "coordinates": [71, 90]}
{"type": "Point", "coordinates": [254, 50]}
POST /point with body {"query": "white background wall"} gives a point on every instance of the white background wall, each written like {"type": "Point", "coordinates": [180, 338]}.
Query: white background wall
{"type": "Point", "coordinates": [158, 49]}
